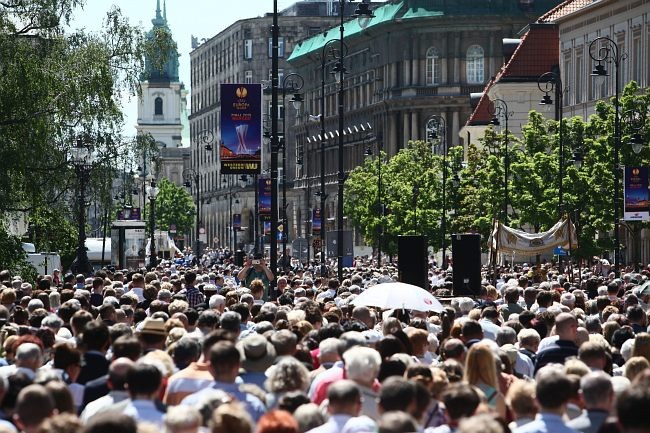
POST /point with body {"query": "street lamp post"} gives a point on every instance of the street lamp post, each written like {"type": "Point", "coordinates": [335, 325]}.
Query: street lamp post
{"type": "Point", "coordinates": [291, 83]}
{"type": "Point", "coordinates": [437, 130]}
{"type": "Point", "coordinates": [380, 206]}
{"type": "Point", "coordinates": [499, 108]}
{"type": "Point", "coordinates": [82, 159]}
{"type": "Point", "coordinates": [192, 177]}
{"type": "Point", "coordinates": [547, 83]}
{"type": "Point", "coordinates": [363, 13]}
{"type": "Point", "coordinates": [152, 192]}
{"type": "Point", "coordinates": [607, 51]}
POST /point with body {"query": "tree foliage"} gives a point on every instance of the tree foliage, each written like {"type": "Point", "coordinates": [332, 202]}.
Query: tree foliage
{"type": "Point", "coordinates": [59, 87]}
{"type": "Point", "coordinates": [174, 205]}
{"type": "Point", "coordinates": [533, 180]}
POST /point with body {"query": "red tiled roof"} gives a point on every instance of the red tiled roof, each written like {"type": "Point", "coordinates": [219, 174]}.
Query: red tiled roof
{"type": "Point", "coordinates": [564, 8]}
{"type": "Point", "coordinates": [537, 53]}
{"type": "Point", "coordinates": [481, 114]}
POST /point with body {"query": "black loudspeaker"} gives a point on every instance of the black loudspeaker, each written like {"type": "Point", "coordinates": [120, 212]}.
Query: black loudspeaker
{"type": "Point", "coordinates": [413, 261]}
{"type": "Point", "coordinates": [466, 257]}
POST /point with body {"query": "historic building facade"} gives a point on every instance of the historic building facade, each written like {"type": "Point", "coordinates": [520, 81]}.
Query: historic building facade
{"type": "Point", "coordinates": [416, 58]}
{"type": "Point", "coordinates": [239, 54]}
{"type": "Point", "coordinates": [162, 108]}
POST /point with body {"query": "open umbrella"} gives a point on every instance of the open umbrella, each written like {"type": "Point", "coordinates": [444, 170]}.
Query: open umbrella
{"type": "Point", "coordinates": [398, 295]}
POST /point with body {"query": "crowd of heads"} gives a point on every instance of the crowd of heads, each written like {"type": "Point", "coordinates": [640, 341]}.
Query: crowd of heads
{"type": "Point", "coordinates": [225, 348]}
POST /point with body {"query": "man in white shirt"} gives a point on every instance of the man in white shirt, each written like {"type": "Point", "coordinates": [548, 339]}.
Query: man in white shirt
{"type": "Point", "coordinates": [116, 384]}
{"type": "Point", "coordinates": [344, 407]}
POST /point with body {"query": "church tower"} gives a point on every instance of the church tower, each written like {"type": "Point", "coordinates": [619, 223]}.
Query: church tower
{"type": "Point", "coordinates": [162, 106]}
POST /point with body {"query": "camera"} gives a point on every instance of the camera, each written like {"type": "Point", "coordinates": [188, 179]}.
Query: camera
{"type": "Point", "coordinates": [256, 262]}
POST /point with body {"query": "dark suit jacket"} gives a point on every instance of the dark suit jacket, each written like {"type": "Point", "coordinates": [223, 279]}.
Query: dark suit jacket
{"type": "Point", "coordinates": [95, 389]}
{"type": "Point", "coordinates": [95, 365]}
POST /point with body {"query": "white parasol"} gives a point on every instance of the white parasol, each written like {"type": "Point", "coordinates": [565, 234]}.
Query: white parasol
{"type": "Point", "coordinates": [398, 296]}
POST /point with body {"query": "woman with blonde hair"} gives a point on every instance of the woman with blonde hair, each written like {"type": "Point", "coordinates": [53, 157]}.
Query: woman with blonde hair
{"type": "Point", "coordinates": [642, 345]}
{"type": "Point", "coordinates": [481, 372]}
{"type": "Point", "coordinates": [634, 366]}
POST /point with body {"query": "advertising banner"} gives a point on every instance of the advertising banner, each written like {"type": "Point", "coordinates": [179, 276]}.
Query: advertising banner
{"type": "Point", "coordinates": [264, 192]}
{"type": "Point", "coordinates": [506, 239]}
{"type": "Point", "coordinates": [316, 222]}
{"type": "Point", "coordinates": [130, 214]}
{"type": "Point", "coordinates": [236, 221]}
{"type": "Point", "coordinates": [267, 227]}
{"type": "Point", "coordinates": [637, 198]}
{"type": "Point", "coordinates": [241, 128]}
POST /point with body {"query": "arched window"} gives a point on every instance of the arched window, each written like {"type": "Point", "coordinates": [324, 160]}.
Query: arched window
{"type": "Point", "coordinates": [475, 65]}
{"type": "Point", "coordinates": [158, 106]}
{"type": "Point", "coordinates": [433, 67]}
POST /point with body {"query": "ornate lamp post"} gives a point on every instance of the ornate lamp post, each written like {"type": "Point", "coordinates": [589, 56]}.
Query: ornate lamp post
{"type": "Point", "coordinates": [291, 83]}
{"type": "Point", "coordinates": [437, 130]}
{"type": "Point", "coordinates": [499, 108]}
{"type": "Point", "coordinates": [607, 51]}
{"type": "Point", "coordinates": [82, 159]}
{"type": "Point", "coordinates": [547, 83]}
{"type": "Point", "coordinates": [152, 192]}
{"type": "Point", "coordinates": [190, 176]}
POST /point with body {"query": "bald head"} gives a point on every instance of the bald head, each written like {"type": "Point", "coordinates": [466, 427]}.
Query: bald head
{"type": "Point", "coordinates": [453, 349]}
{"type": "Point", "coordinates": [117, 373]}
{"type": "Point", "coordinates": [362, 314]}
{"type": "Point", "coordinates": [566, 326]}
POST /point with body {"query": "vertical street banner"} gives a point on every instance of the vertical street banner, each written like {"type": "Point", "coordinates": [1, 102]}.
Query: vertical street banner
{"type": "Point", "coordinates": [267, 227]}
{"type": "Point", "coordinates": [236, 221]}
{"type": "Point", "coordinates": [241, 128]}
{"type": "Point", "coordinates": [316, 222]}
{"type": "Point", "coordinates": [264, 192]}
{"type": "Point", "coordinates": [636, 204]}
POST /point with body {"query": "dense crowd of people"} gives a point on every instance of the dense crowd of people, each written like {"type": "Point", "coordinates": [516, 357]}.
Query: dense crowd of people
{"type": "Point", "coordinates": [215, 347]}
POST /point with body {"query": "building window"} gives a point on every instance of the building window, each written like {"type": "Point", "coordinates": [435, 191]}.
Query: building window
{"type": "Point", "coordinates": [158, 106]}
{"type": "Point", "coordinates": [280, 76]}
{"type": "Point", "coordinates": [248, 49]}
{"type": "Point", "coordinates": [568, 78]}
{"type": "Point", "coordinates": [637, 58]}
{"type": "Point", "coordinates": [248, 77]}
{"type": "Point", "coordinates": [280, 47]}
{"type": "Point", "coordinates": [475, 64]}
{"type": "Point", "coordinates": [579, 77]}
{"type": "Point", "coordinates": [433, 67]}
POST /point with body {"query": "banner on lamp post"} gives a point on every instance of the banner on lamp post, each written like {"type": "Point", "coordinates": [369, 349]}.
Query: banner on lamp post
{"type": "Point", "coordinates": [264, 191]}
{"type": "Point", "coordinates": [236, 221]}
{"type": "Point", "coordinates": [316, 222]}
{"type": "Point", "coordinates": [241, 128]}
{"type": "Point", "coordinates": [636, 203]}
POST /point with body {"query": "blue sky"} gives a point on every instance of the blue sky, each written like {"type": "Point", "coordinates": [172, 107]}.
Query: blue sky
{"type": "Point", "coordinates": [200, 18]}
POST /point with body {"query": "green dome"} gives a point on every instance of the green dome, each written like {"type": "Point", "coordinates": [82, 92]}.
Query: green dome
{"type": "Point", "coordinates": [169, 71]}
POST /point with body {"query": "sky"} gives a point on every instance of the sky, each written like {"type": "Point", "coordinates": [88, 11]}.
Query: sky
{"type": "Point", "coordinates": [186, 18]}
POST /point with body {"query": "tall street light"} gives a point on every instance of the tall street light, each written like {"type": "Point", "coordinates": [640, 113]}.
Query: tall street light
{"type": "Point", "coordinates": [380, 206]}
{"type": "Point", "coordinates": [547, 83]}
{"type": "Point", "coordinates": [152, 192]}
{"type": "Point", "coordinates": [82, 159]}
{"type": "Point", "coordinates": [607, 51]}
{"type": "Point", "coordinates": [363, 14]}
{"type": "Point", "coordinates": [437, 130]}
{"type": "Point", "coordinates": [499, 108]}
{"type": "Point", "coordinates": [333, 49]}
{"type": "Point", "coordinates": [192, 177]}
{"type": "Point", "coordinates": [291, 83]}
{"type": "Point", "coordinates": [275, 36]}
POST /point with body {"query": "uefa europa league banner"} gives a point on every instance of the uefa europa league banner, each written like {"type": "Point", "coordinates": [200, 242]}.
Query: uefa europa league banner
{"type": "Point", "coordinates": [264, 191]}
{"type": "Point", "coordinates": [241, 128]}
{"type": "Point", "coordinates": [637, 198]}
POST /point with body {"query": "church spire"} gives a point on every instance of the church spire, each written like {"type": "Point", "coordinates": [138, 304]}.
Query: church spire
{"type": "Point", "coordinates": [160, 19]}
{"type": "Point", "coordinates": [164, 10]}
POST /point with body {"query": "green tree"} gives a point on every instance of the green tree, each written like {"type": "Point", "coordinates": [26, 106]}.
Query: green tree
{"type": "Point", "coordinates": [174, 205]}
{"type": "Point", "coordinates": [58, 86]}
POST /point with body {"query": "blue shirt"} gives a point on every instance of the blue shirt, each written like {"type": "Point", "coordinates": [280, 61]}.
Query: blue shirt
{"type": "Point", "coordinates": [545, 423]}
{"type": "Point", "coordinates": [253, 404]}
